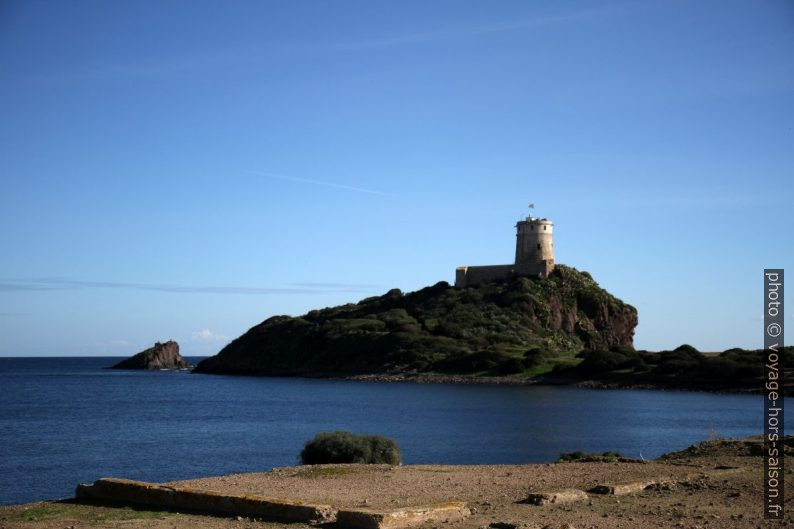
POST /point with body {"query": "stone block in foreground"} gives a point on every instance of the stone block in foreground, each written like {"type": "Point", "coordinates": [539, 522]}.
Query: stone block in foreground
{"type": "Point", "coordinates": [153, 494]}
{"type": "Point", "coordinates": [406, 517]}
{"type": "Point", "coordinates": [560, 496]}
{"type": "Point", "coordinates": [620, 489]}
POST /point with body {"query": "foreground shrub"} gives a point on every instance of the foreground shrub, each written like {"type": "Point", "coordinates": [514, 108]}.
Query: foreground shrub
{"type": "Point", "coordinates": [347, 447]}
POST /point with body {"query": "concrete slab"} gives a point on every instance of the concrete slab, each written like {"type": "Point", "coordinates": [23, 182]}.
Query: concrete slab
{"type": "Point", "coordinates": [154, 494]}
{"type": "Point", "coordinates": [399, 518]}
{"type": "Point", "coordinates": [560, 496]}
{"type": "Point", "coordinates": [620, 489]}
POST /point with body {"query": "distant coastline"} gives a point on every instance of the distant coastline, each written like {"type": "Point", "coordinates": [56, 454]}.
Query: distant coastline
{"type": "Point", "coordinates": [519, 381]}
{"type": "Point", "coordinates": [512, 380]}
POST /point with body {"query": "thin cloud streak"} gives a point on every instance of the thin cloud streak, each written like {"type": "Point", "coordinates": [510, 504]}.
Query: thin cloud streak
{"type": "Point", "coordinates": [461, 33]}
{"type": "Point", "coordinates": [335, 285]}
{"type": "Point", "coordinates": [250, 57]}
{"type": "Point", "coordinates": [10, 286]}
{"type": "Point", "coordinates": [50, 284]}
{"type": "Point", "coordinates": [318, 182]}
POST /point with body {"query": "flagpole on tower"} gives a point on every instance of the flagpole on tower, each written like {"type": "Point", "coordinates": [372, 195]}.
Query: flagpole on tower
{"type": "Point", "coordinates": [531, 208]}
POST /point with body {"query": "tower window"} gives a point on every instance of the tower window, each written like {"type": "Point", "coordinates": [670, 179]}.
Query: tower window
{"type": "Point", "coordinates": [544, 228]}
{"type": "Point", "coordinates": [538, 246]}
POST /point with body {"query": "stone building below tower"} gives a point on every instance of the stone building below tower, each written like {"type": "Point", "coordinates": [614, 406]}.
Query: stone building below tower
{"type": "Point", "coordinates": [534, 256]}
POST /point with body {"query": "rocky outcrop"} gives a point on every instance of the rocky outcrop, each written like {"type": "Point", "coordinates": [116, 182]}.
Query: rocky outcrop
{"type": "Point", "coordinates": [495, 328]}
{"type": "Point", "coordinates": [161, 356]}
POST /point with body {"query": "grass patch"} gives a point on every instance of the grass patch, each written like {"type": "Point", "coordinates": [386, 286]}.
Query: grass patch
{"type": "Point", "coordinates": [326, 472]}
{"type": "Point", "coordinates": [591, 457]}
{"type": "Point", "coordinates": [560, 361]}
{"type": "Point", "coordinates": [90, 513]}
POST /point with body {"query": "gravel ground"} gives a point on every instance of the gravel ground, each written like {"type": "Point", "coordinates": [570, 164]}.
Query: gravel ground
{"type": "Point", "coordinates": [717, 485]}
{"type": "Point", "coordinates": [381, 486]}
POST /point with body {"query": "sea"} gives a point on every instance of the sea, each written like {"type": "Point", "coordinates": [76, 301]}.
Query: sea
{"type": "Point", "coordinates": [65, 421]}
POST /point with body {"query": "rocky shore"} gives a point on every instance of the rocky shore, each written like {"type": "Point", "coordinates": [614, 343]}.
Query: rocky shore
{"type": "Point", "coordinates": [517, 380]}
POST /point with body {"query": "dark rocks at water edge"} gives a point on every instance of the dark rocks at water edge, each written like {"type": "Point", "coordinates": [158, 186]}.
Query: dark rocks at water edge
{"type": "Point", "coordinates": [161, 356]}
{"type": "Point", "coordinates": [498, 328]}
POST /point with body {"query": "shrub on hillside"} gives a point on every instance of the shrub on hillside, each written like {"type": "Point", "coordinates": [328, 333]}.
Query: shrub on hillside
{"type": "Point", "coordinates": [509, 366]}
{"type": "Point", "coordinates": [535, 356]}
{"type": "Point", "coordinates": [486, 361]}
{"type": "Point", "coordinates": [347, 447]}
{"type": "Point", "coordinates": [599, 361]}
{"type": "Point", "coordinates": [681, 360]}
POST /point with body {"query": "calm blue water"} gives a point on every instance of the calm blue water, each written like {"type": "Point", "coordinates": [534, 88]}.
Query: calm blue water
{"type": "Point", "coordinates": [67, 420]}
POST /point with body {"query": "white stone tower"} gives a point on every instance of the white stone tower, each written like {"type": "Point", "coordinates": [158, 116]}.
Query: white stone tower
{"type": "Point", "coordinates": [534, 256]}
{"type": "Point", "coordinates": [534, 241]}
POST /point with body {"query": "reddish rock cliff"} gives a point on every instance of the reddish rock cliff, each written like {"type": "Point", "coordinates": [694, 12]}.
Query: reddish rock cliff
{"type": "Point", "coordinates": [161, 356]}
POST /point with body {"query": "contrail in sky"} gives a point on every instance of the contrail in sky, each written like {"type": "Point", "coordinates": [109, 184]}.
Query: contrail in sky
{"type": "Point", "coordinates": [57, 283]}
{"type": "Point", "coordinates": [318, 182]}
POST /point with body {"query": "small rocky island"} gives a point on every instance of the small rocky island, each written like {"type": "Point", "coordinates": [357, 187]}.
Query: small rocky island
{"type": "Point", "coordinates": [161, 356]}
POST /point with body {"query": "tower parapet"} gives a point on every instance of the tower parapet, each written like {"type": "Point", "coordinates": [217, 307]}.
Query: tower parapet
{"type": "Point", "coordinates": [534, 256]}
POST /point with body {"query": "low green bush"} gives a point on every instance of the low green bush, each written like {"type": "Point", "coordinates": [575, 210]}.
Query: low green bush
{"type": "Point", "coordinates": [681, 360]}
{"type": "Point", "coordinates": [535, 356]}
{"type": "Point", "coordinates": [599, 361]}
{"type": "Point", "coordinates": [347, 447]}
{"type": "Point", "coordinates": [486, 361]}
{"type": "Point", "coordinates": [510, 366]}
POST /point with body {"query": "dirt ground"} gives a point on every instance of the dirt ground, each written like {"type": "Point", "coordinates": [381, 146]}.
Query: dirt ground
{"type": "Point", "coordinates": [716, 484]}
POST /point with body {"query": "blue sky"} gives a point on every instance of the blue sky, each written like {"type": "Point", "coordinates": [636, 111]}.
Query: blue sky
{"type": "Point", "coordinates": [186, 169]}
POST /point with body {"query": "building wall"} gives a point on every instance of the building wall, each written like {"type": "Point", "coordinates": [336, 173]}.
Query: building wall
{"type": "Point", "coordinates": [535, 268]}
{"type": "Point", "coordinates": [469, 276]}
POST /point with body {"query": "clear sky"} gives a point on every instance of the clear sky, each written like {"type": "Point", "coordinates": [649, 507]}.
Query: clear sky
{"type": "Point", "coordinates": [185, 169]}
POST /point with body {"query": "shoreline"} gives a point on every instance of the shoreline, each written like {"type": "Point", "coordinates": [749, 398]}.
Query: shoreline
{"type": "Point", "coordinates": [504, 380]}
{"type": "Point", "coordinates": [516, 381]}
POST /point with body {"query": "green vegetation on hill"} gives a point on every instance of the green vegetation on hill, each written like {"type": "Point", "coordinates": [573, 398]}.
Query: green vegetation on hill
{"type": "Point", "coordinates": [521, 326]}
{"type": "Point", "coordinates": [563, 329]}
{"type": "Point", "coordinates": [684, 367]}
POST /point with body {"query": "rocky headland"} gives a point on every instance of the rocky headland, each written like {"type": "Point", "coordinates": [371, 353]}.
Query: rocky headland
{"type": "Point", "coordinates": [161, 356]}
{"type": "Point", "coordinates": [498, 328]}
{"type": "Point", "coordinates": [564, 329]}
